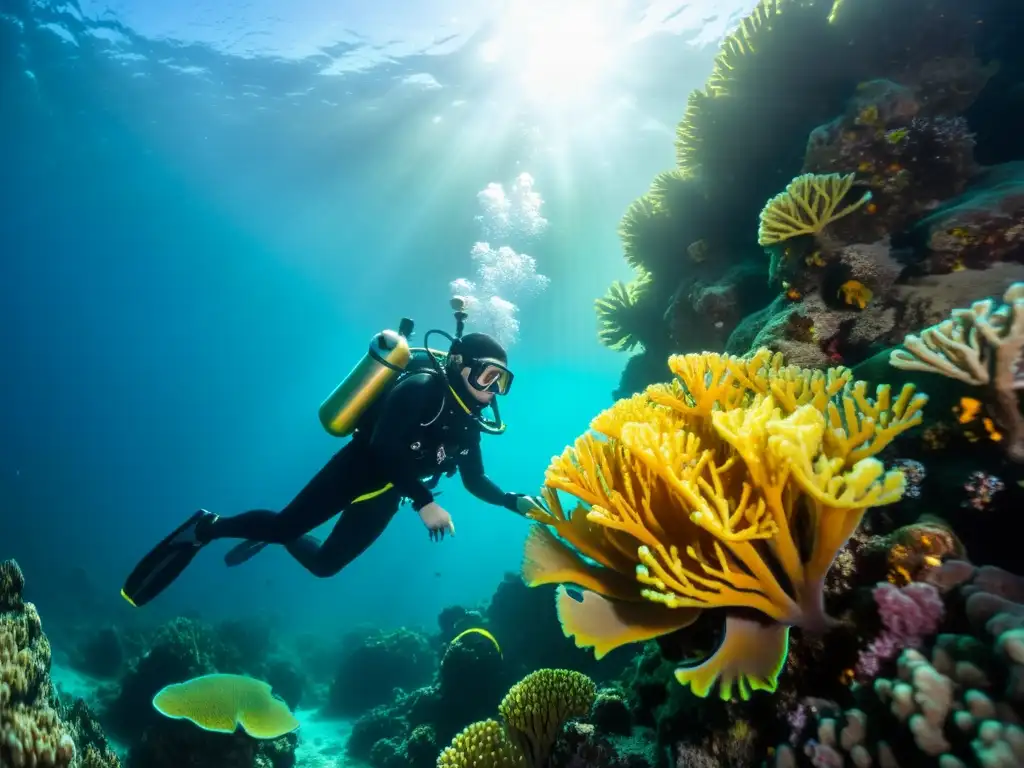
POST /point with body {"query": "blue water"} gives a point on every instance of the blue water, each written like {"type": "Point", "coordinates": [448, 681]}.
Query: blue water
{"type": "Point", "coordinates": [206, 213]}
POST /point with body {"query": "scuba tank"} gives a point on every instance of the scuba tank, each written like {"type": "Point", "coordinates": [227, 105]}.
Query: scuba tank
{"type": "Point", "coordinates": [386, 358]}
{"type": "Point", "coordinates": [350, 405]}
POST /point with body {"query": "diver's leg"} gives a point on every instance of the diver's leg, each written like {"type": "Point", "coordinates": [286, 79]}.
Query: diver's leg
{"type": "Point", "coordinates": [334, 486]}
{"type": "Point", "coordinates": [358, 527]}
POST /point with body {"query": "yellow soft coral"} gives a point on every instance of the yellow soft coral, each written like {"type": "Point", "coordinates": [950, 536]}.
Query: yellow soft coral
{"type": "Point", "coordinates": [732, 487]}
{"type": "Point", "coordinates": [808, 204]}
{"type": "Point", "coordinates": [855, 293]}
{"type": "Point", "coordinates": [536, 708]}
{"type": "Point", "coordinates": [481, 745]}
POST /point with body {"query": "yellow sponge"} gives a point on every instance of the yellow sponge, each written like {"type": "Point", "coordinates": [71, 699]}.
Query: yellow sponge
{"type": "Point", "coordinates": [221, 703]}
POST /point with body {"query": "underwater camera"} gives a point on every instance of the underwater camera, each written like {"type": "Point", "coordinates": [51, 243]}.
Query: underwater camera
{"type": "Point", "coordinates": [388, 359]}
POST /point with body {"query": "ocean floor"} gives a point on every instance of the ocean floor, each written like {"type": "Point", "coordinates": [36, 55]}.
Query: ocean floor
{"type": "Point", "coordinates": [321, 740]}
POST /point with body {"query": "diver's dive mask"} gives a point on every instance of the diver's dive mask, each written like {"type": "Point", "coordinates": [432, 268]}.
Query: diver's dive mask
{"type": "Point", "coordinates": [489, 375]}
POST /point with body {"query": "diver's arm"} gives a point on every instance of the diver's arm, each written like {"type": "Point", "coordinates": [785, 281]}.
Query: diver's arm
{"type": "Point", "coordinates": [475, 480]}
{"type": "Point", "coordinates": [396, 428]}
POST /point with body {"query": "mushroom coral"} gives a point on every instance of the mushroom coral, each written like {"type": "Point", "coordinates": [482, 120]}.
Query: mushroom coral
{"type": "Point", "coordinates": [732, 487]}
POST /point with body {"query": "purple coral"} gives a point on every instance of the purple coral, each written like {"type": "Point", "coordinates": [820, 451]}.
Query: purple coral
{"type": "Point", "coordinates": [909, 614]}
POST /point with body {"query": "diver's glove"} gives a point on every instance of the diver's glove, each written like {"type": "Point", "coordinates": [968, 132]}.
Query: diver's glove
{"type": "Point", "coordinates": [525, 505]}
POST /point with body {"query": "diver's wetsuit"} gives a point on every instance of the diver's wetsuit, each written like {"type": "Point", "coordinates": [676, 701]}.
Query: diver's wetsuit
{"type": "Point", "coordinates": [420, 431]}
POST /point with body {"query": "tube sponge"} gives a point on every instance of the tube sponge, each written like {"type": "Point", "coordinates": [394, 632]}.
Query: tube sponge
{"type": "Point", "coordinates": [536, 708]}
{"type": "Point", "coordinates": [221, 703]}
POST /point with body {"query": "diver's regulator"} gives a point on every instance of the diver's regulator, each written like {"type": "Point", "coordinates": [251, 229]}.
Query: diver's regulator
{"type": "Point", "coordinates": [388, 357]}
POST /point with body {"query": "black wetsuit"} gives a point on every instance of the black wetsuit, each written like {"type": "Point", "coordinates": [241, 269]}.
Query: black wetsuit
{"type": "Point", "coordinates": [418, 432]}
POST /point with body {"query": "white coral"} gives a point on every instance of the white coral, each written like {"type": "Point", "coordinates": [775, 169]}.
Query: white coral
{"type": "Point", "coordinates": [981, 346]}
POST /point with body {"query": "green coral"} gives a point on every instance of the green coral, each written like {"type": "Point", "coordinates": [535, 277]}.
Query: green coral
{"type": "Point", "coordinates": [536, 708]}
{"type": "Point", "coordinates": [620, 313]}
{"type": "Point", "coordinates": [481, 745]}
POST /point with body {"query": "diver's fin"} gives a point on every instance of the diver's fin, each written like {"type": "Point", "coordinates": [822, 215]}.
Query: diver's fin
{"type": "Point", "coordinates": [165, 562]}
{"type": "Point", "coordinates": [242, 553]}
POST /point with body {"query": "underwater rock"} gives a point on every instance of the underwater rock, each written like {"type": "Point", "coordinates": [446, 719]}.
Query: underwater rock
{"type": "Point", "coordinates": [640, 371]}
{"type": "Point", "coordinates": [611, 715]}
{"type": "Point", "coordinates": [35, 730]}
{"type": "Point", "coordinates": [929, 299]}
{"type": "Point", "coordinates": [177, 743]}
{"type": "Point", "coordinates": [374, 664]}
{"type": "Point", "coordinates": [100, 653]}
{"type": "Point", "coordinates": [981, 227]}
{"type": "Point", "coordinates": [909, 161]}
{"type": "Point", "coordinates": [180, 650]}
{"type": "Point", "coordinates": [582, 746]}
{"type": "Point", "coordinates": [287, 680]}
{"type": "Point", "coordinates": [456, 619]}
{"type": "Point", "coordinates": [379, 724]}
{"type": "Point", "coordinates": [703, 313]}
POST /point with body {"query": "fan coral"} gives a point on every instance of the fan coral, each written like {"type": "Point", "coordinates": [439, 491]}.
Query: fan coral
{"type": "Point", "coordinates": [981, 346]}
{"type": "Point", "coordinates": [537, 706]}
{"type": "Point", "coordinates": [807, 205]}
{"type": "Point", "coordinates": [732, 487]}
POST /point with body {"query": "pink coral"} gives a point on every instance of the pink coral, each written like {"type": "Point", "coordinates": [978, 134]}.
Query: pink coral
{"type": "Point", "coordinates": [909, 614]}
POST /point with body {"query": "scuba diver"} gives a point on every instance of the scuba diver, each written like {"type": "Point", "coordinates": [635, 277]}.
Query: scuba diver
{"type": "Point", "coordinates": [415, 415]}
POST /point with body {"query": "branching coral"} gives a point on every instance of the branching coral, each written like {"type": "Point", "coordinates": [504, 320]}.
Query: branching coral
{"type": "Point", "coordinates": [732, 487]}
{"type": "Point", "coordinates": [809, 203]}
{"type": "Point", "coordinates": [981, 346]}
{"type": "Point", "coordinates": [620, 315]}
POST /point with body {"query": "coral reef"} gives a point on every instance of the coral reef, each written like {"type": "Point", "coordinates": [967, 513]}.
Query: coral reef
{"type": "Point", "coordinates": [533, 714]}
{"type": "Point", "coordinates": [980, 346]}
{"type": "Point", "coordinates": [686, 482]}
{"type": "Point", "coordinates": [33, 732]}
{"type": "Point", "coordinates": [867, 183]}
{"type": "Point", "coordinates": [958, 703]}
{"type": "Point", "coordinates": [374, 663]}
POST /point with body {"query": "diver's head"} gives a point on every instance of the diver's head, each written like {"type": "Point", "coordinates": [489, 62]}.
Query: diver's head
{"type": "Point", "coordinates": [480, 365]}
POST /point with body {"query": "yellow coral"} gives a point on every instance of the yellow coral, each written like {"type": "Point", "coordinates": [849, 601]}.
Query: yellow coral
{"type": "Point", "coordinates": [731, 487]}
{"type": "Point", "coordinates": [808, 204]}
{"type": "Point", "coordinates": [617, 313]}
{"type": "Point", "coordinates": [536, 708]}
{"type": "Point", "coordinates": [855, 293]}
{"type": "Point", "coordinates": [481, 745]}
{"type": "Point", "coordinates": [222, 703]}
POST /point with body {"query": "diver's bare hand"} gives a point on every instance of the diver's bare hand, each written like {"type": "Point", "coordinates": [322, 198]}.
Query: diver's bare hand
{"type": "Point", "coordinates": [437, 520]}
